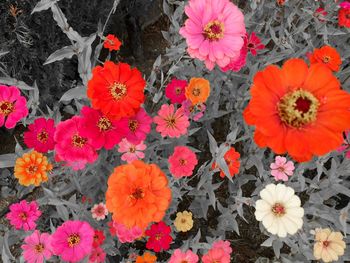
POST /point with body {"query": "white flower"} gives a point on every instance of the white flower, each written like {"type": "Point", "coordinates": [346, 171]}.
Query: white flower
{"type": "Point", "coordinates": [279, 210]}
{"type": "Point", "coordinates": [99, 211]}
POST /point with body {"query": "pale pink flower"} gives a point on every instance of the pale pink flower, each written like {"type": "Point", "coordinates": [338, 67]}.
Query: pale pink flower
{"type": "Point", "coordinates": [131, 151]}
{"type": "Point", "coordinates": [37, 247]}
{"type": "Point", "coordinates": [182, 162]}
{"type": "Point", "coordinates": [126, 235]}
{"type": "Point", "coordinates": [281, 169]}
{"type": "Point", "coordinates": [178, 257]}
{"type": "Point", "coordinates": [99, 211]}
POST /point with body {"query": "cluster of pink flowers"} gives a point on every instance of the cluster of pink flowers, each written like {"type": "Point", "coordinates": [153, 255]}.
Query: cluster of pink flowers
{"type": "Point", "coordinates": [124, 234]}
{"type": "Point", "coordinates": [220, 252]}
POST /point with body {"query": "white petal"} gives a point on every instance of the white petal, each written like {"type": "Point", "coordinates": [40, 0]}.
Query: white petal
{"type": "Point", "coordinates": [288, 195]}
{"type": "Point", "coordinates": [273, 229]}
{"type": "Point", "coordinates": [259, 215]}
{"type": "Point", "coordinates": [282, 231]}
{"type": "Point", "coordinates": [293, 202]}
{"type": "Point", "coordinates": [295, 212]}
{"type": "Point", "coordinates": [280, 192]}
{"type": "Point", "coordinates": [268, 220]}
{"type": "Point", "coordinates": [297, 220]}
{"type": "Point", "coordinates": [262, 205]}
{"type": "Point", "coordinates": [268, 194]}
{"type": "Point", "coordinates": [290, 225]}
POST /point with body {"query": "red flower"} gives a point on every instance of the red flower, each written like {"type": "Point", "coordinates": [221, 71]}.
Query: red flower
{"type": "Point", "coordinates": [159, 237]}
{"type": "Point", "coordinates": [254, 44]}
{"type": "Point", "coordinates": [99, 237]}
{"type": "Point", "coordinates": [344, 17]}
{"type": "Point", "coordinates": [112, 43]}
{"type": "Point", "coordinates": [320, 14]}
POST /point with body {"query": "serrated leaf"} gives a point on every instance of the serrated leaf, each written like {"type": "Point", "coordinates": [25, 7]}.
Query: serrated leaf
{"type": "Point", "coordinates": [65, 52]}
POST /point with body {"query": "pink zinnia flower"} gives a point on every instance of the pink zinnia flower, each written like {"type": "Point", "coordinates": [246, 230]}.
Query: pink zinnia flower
{"type": "Point", "coordinates": [214, 31]}
{"type": "Point", "coordinates": [23, 215]}
{"type": "Point", "coordinates": [182, 162]}
{"type": "Point", "coordinates": [281, 169]}
{"type": "Point", "coordinates": [71, 146]}
{"type": "Point", "coordinates": [37, 247]}
{"type": "Point", "coordinates": [101, 131]}
{"type": "Point", "coordinates": [40, 135]}
{"type": "Point", "coordinates": [178, 257]}
{"type": "Point", "coordinates": [72, 241]}
{"type": "Point", "coordinates": [126, 235]}
{"type": "Point", "coordinates": [136, 127]}
{"type": "Point", "coordinates": [175, 91]}
{"type": "Point", "coordinates": [225, 245]}
{"type": "Point", "coordinates": [97, 255]}
{"type": "Point", "coordinates": [216, 255]}
{"type": "Point", "coordinates": [345, 5]}
{"type": "Point", "coordinates": [99, 237]}
{"type": "Point", "coordinates": [13, 106]}
{"type": "Point", "coordinates": [131, 151]}
{"type": "Point", "coordinates": [254, 44]}
{"type": "Point", "coordinates": [159, 237]}
{"type": "Point", "coordinates": [170, 122]}
{"type": "Point", "coordinates": [320, 13]}
{"type": "Point", "coordinates": [237, 63]}
{"type": "Point", "coordinates": [99, 211]}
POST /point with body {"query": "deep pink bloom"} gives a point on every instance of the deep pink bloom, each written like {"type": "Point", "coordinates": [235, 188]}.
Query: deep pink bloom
{"type": "Point", "coordinates": [131, 151]}
{"type": "Point", "coordinates": [97, 255]}
{"type": "Point", "coordinates": [99, 238]}
{"type": "Point", "coordinates": [194, 112]}
{"type": "Point", "coordinates": [175, 90]}
{"type": "Point", "coordinates": [281, 169]}
{"type": "Point", "coordinates": [170, 122]}
{"type": "Point", "coordinates": [216, 255]}
{"type": "Point", "coordinates": [136, 127]}
{"type": "Point", "coordinates": [237, 63]}
{"type": "Point", "coordinates": [99, 211]}
{"type": "Point", "coordinates": [40, 135]}
{"type": "Point", "coordinates": [254, 44]}
{"type": "Point", "coordinates": [159, 237]}
{"type": "Point", "coordinates": [23, 215]}
{"type": "Point", "coordinates": [37, 247]}
{"type": "Point", "coordinates": [320, 13]}
{"type": "Point", "coordinates": [126, 235]}
{"type": "Point", "coordinates": [101, 131]}
{"type": "Point", "coordinates": [112, 228]}
{"type": "Point", "coordinates": [178, 257]}
{"type": "Point", "coordinates": [73, 240]}
{"type": "Point", "coordinates": [345, 5]}
{"type": "Point", "coordinates": [225, 245]}
{"type": "Point", "coordinates": [71, 146]}
{"type": "Point", "coordinates": [213, 31]}
{"type": "Point", "coordinates": [13, 106]}
{"type": "Point", "coordinates": [182, 162]}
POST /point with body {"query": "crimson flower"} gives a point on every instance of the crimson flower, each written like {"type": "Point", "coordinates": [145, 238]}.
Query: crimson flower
{"type": "Point", "coordinates": [159, 237]}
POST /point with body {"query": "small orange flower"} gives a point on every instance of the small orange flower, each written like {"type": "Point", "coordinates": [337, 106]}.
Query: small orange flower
{"type": "Point", "coordinates": [198, 90]}
{"type": "Point", "coordinates": [328, 56]}
{"type": "Point", "coordinates": [232, 160]}
{"type": "Point", "coordinates": [138, 194]}
{"type": "Point", "coordinates": [146, 258]}
{"type": "Point", "coordinates": [32, 168]}
{"type": "Point", "coordinates": [112, 43]}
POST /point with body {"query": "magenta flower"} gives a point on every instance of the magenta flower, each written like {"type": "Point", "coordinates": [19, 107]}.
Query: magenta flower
{"type": "Point", "coordinates": [99, 211]}
{"type": "Point", "coordinates": [175, 90]}
{"type": "Point", "coordinates": [179, 257]}
{"type": "Point", "coordinates": [131, 151]}
{"type": "Point", "coordinates": [182, 162]}
{"type": "Point", "coordinates": [71, 147]}
{"type": "Point", "coordinates": [281, 169]}
{"type": "Point", "coordinates": [254, 44]}
{"type": "Point", "coordinates": [101, 131]}
{"type": "Point", "coordinates": [159, 237]}
{"type": "Point", "coordinates": [73, 240]}
{"type": "Point", "coordinates": [126, 235]}
{"type": "Point", "coordinates": [13, 106]}
{"type": "Point", "coordinates": [40, 135]}
{"type": "Point", "coordinates": [170, 122]}
{"type": "Point", "coordinates": [37, 247]}
{"type": "Point", "coordinates": [97, 255]}
{"type": "Point", "coordinates": [345, 5]}
{"type": "Point", "coordinates": [23, 215]}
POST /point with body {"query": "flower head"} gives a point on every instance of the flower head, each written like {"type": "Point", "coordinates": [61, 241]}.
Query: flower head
{"type": "Point", "coordinates": [239, 62]}
{"type": "Point", "coordinates": [224, 245]}
{"type": "Point", "coordinates": [194, 112]}
{"type": "Point", "coordinates": [37, 247]}
{"type": "Point", "coordinates": [279, 210]}
{"type": "Point", "coordinates": [131, 151]}
{"type": "Point", "coordinates": [295, 108]}
{"type": "Point", "coordinates": [170, 122]}
{"type": "Point", "coordinates": [112, 43]}
{"type": "Point", "coordinates": [116, 90]}
{"type": "Point", "coordinates": [138, 194]}
{"type": "Point", "coordinates": [344, 16]}
{"type": "Point", "coordinates": [13, 106]}
{"type": "Point", "coordinates": [328, 245]}
{"type": "Point", "coordinates": [328, 56]}
{"type": "Point", "coordinates": [321, 14]}
{"type": "Point", "coordinates": [254, 44]}
{"type": "Point", "coordinates": [99, 238]}
{"type": "Point", "coordinates": [231, 158]}
{"type": "Point", "coordinates": [198, 90]}
{"type": "Point", "coordinates": [175, 90]}
{"type": "Point", "coordinates": [214, 31]}
{"type": "Point", "coordinates": [73, 240]}
{"type": "Point", "coordinates": [23, 215]}
{"type": "Point", "coordinates": [125, 234]}
{"type": "Point", "coordinates": [345, 4]}
{"type": "Point", "coordinates": [40, 135]}
{"type": "Point", "coordinates": [183, 221]}
{"type": "Point", "coordinates": [159, 237]}
{"type": "Point", "coordinates": [179, 257]}
{"type": "Point", "coordinates": [216, 255]}
{"type": "Point", "coordinates": [146, 258]}
{"type": "Point", "coordinates": [182, 162]}
{"type": "Point", "coordinates": [98, 255]}
{"type": "Point", "coordinates": [99, 211]}
{"type": "Point", "coordinates": [281, 169]}
{"type": "Point", "coordinates": [32, 168]}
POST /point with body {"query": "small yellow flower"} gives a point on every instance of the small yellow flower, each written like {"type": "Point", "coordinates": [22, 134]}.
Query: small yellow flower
{"type": "Point", "coordinates": [328, 245]}
{"type": "Point", "coordinates": [183, 221]}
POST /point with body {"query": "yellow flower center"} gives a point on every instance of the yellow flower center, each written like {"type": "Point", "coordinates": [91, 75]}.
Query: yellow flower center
{"type": "Point", "coordinates": [118, 90]}
{"type": "Point", "coordinates": [326, 59]}
{"type": "Point", "coordinates": [298, 108]}
{"type": "Point", "coordinates": [104, 124]}
{"type": "Point", "coordinates": [78, 141]}
{"type": "Point", "coordinates": [23, 216]}
{"type": "Point", "coordinates": [42, 136]}
{"type": "Point", "coordinates": [214, 30]}
{"type": "Point", "coordinates": [183, 161]}
{"type": "Point", "coordinates": [32, 169]}
{"type": "Point", "coordinates": [73, 240]}
{"type": "Point", "coordinates": [6, 107]}
{"type": "Point", "coordinates": [133, 124]}
{"type": "Point", "coordinates": [278, 209]}
{"type": "Point", "coordinates": [158, 236]}
{"type": "Point", "coordinates": [39, 248]}
{"type": "Point", "coordinates": [170, 122]}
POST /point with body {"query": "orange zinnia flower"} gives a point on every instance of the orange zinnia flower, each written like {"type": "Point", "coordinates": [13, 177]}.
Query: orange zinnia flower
{"type": "Point", "coordinates": [32, 168]}
{"type": "Point", "coordinates": [328, 56]}
{"type": "Point", "coordinates": [138, 194]}
{"type": "Point", "coordinates": [198, 90]}
{"type": "Point", "coordinates": [112, 42]}
{"type": "Point", "coordinates": [232, 160]}
{"type": "Point", "coordinates": [298, 110]}
{"type": "Point", "coordinates": [116, 90]}
{"type": "Point", "coordinates": [146, 258]}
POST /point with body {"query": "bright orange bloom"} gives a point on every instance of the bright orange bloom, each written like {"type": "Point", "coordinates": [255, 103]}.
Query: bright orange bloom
{"type": "Point", "coordinates": [32, 168]}
{"type": "Point", "coordinates": [298, 110]}
{"type": "Point", "coordinates": [232, 160]}
{"type": "Point", "coordinates": [116, 90]}
{"type": "Point", "coordinates": [326, 55]}
{"type": "Point", "coordinates": [198, 90]}
{"type": "Point", "coordinates": [146, 258]}
{"type": "Point", "coordinates": [138, 194]}
{"type": "Point", "coordinates": [112, 43]}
